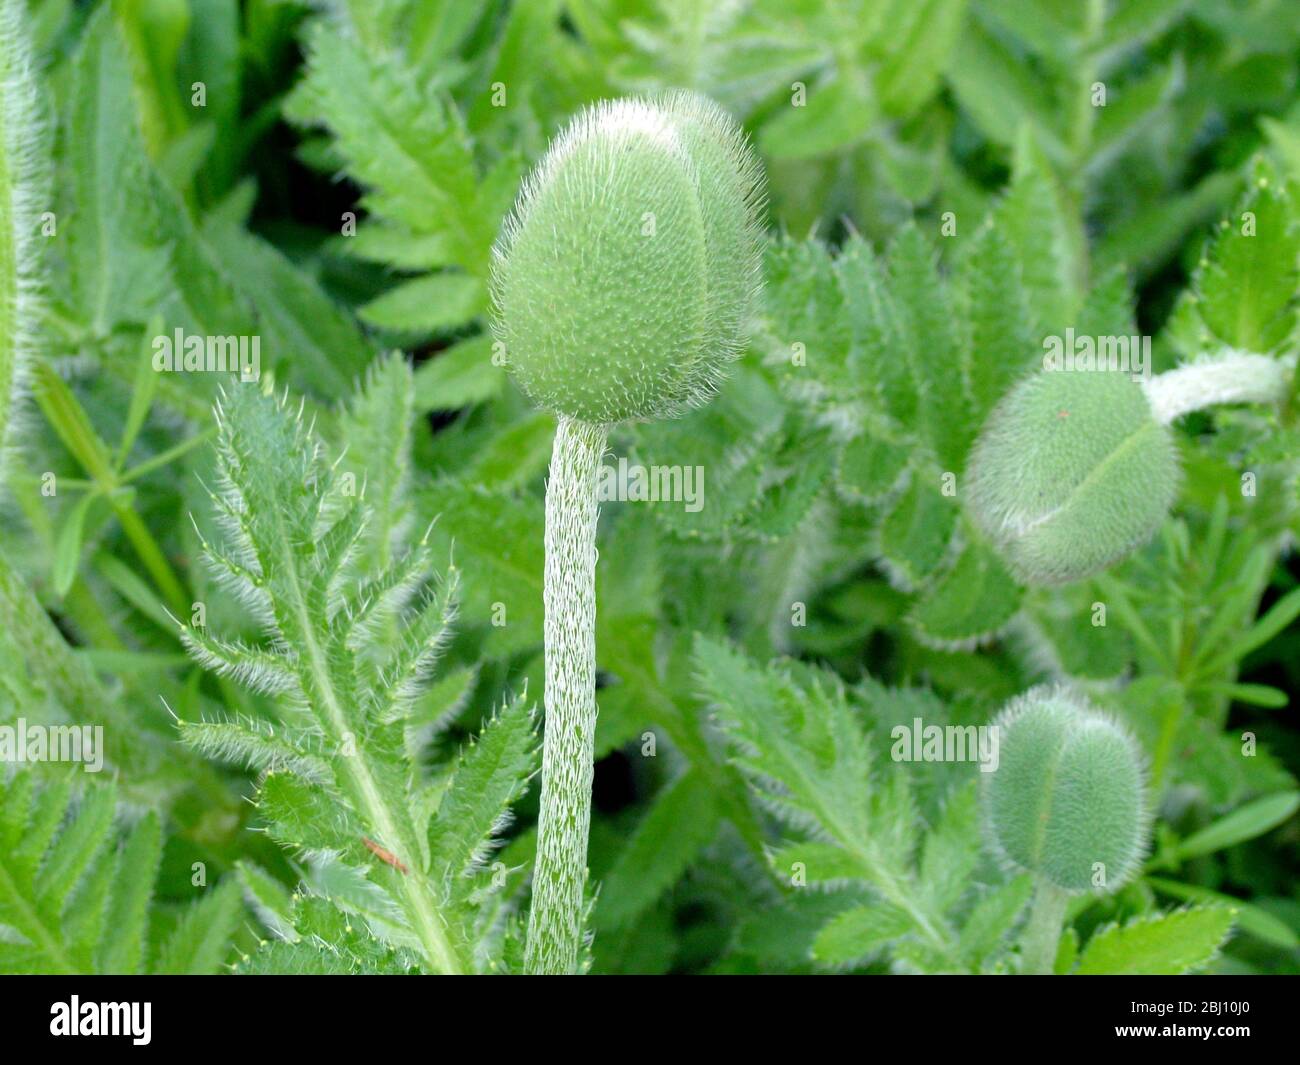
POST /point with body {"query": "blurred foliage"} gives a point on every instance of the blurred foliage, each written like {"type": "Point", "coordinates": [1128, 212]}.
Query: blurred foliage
{"type": "Point", "coordinates": [950, 182]}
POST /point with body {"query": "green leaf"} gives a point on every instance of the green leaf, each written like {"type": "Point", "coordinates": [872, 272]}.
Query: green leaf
{"type": "Point", "coordinates": [434, 303]}
{"type": "Point", "coordinates": [918, 43]}
{"type": "Point", "coordinates": [127, 924]}
{"type": "Point", "coordinates": [259, 745]}
{"type": "Point", "coordinates": [993, 916]}
{"type": "Point", "coordinates": [376, 431]}
{"type": "Point", "coordinates": [1254, 819]}
{"type": "Point", "coordinates": [401, 141]}
{"type": "Point", "coordinates": [999, 91]}
{"type": "Point", "coordinates": [1247, 284]}
{"type": "Point", "coordinates": [871, 468]}
{"type": "Point", "coordinates": [143, 389]}
{"type": "Point", "coordinates": [1279, 616]}
{"type": "Point", "coordinates": [811, 862]}
{"type": "Point", "coordinates": [950, 850]}
{"type": "Point", "coordinates": [70, 898]}
{"type": "Point", "coordinates": [968, 604]}
{"type": "Point", "coordinates": [1251, 919]}
{"type": "Point", "coordinates": [489, 776]}
{"type": "Point", "coordinates": [931, 348]}
{"type": "Point", "coordinates": [858, 933]}
{"type": "Point", "coordinates": [1046, 235]}
{"type": "Point", "coordinates": [67, 549]}
{"type": "Point", "coordinates": [267, 898]}
{"type": "Point", "coordinates": [682, 821]}
{"type": "Point", "coordinates": [23, 177]}
{"type": "Point", "coordinates": [299, 326]}
{"type": "Point", "coordinates": [837, 114]}
{"type": "Point", "coordinates": [498, 536]}
{"type": "Point", "coordinates": [298, 815]}
{"type": "Point", "coordinates": [1001, 346]}
{"type": "Point", "coordinates": [915, 533]}
{"type": "Point", "coordinates": [1165, 944]}
{"type": "Point", "coordinates": [460, 376]}
{"type": "Point", "coordinates": [118, 271]}
{"type": "Point", "coordinates": [200, 943]}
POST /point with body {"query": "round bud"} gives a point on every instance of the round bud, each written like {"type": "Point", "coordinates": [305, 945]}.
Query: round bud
{"type": "Point", "coordinates": [1067, 799]}
{"type": "Point", "coordinates": [1071, 473]}
{"type": "Point", "coordinates": [623, 278]}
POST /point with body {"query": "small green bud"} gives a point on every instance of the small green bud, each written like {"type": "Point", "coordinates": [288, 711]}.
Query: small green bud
{"type": "Point", "coordinates": [1072, 472]}
{"type": "Point", "coordinates": [1067, 801]}
{"type": "Point", "coordinates": [623, 278]}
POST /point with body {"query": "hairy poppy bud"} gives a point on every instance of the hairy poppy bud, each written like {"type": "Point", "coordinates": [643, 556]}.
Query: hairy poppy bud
{"type": "Point", "coordinates": [1067, 801]}
{"type": "Point", "coordinates": [623, 278]}
{"type": "Point", "coordinates": [1071, 473]}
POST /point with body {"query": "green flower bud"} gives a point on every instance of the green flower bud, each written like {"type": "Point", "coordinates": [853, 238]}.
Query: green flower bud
{"type": "Point", "coordinates": [1067, 801]}
{"type": "Point", "coordinates": [623, 278]}
{"type": "Point", "coordinates": [1071, 473]}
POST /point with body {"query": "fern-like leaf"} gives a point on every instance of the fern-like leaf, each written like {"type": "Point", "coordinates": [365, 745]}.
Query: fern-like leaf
{"type": "Point", "coordinates": [75, 900]}
{"type": "Point", "coordinates": [349, 653]}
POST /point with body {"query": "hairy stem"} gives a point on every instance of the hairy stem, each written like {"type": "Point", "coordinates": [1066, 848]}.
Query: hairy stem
{"type": "Point", "coordinates": [20, 174]}
{"type": "Point", "coordinates": [1234, 377]}
{"type": "Point", "coordinates": [1043, 932]}
{"type": "Point", "coordinates": [555, 920]}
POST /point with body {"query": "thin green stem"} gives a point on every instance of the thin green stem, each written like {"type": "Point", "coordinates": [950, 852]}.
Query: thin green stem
{"type": "Point", "coordinates": [69, 419]}
{"type": "Point", "coordinates": [555, 920]}
{"type": "Point", "coordinates": [1043, 932]}
{"type": "Point", "coordinates": [166, 457]}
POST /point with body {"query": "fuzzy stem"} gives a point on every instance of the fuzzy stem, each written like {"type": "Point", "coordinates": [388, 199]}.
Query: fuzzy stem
{"type": "Point", "coordinates": [1043, 932]}
{"type": "Point", "coordinates": [1234, 377]}
{"type": "Point", "coordinates": [555, 919]}
{"type": "Point", "coordinates": [21, 173]}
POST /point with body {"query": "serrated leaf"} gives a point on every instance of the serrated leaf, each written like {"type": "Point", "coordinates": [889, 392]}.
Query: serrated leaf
{"type": "Point", "coordinates": [122, 951]}
{"type": "Point", "coordinates": [1001, 345]}
{"type": "Point", "coordinates": [993, 916]}
{"type": "Point", "coordinates": [1046, 236]}
{"type": "Point", "coordinates": [950, 850]}
{"type": "Point", "coordinates": [1164, 944]}
{"type": "Point", "coordinates": [377, 434]}
{"type": "Point", "coordinates": [299, 815]}
{"type": "Point", "coordinates": [871, 468]}
{"type": "Point", "coordinates": [200, 942]}
{"type": "Point", "coordinates": [498, 536]}
{"type": "Point", "coordinates": [1251, 919]}
{"type": "Point", "coordinates": [267, 898]}
{"type": "Point", "coordinates": [914, 534]}
{"type": "Point", "coordinates": [1247, 284]}
{"type": "Point", "coordinates": [930, 348]}
{"type": "Point", "coordinates": [857, 933]}
{"type": "Point", "coordinates": [297, 321]}
{"type": "Point", "coordinates": [489, 775]}
{"type": "Point", "coordinates": [969, 603]}
{"type": "Point", "coordinates": [401, 140]}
